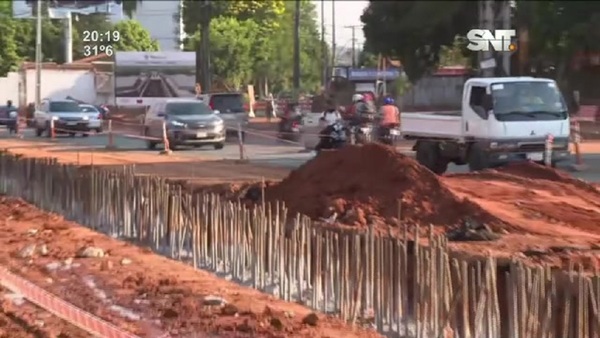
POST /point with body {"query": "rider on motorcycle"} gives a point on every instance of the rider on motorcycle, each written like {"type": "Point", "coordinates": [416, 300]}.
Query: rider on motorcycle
{"type": "Point", "coordinates": [389, 115]}
{"type": "Point", "coordinates": [289, 115]}
{"type": "Point", "coordinates": [332, 117]}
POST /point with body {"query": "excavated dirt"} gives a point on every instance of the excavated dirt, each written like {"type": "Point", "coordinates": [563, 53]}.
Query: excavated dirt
{"type": "Point", "coordinates": [148, 295]}
{"type": "Point", "coordinates": [373, 183]}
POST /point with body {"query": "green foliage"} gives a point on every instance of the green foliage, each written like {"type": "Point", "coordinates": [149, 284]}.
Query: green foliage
{"type": "Point", "coordinates": [134, 37]}
{"type": "Point", "coordinates": [272, 41]}
{"type": "Point", "coordinates": [264, 12]}
{"type": "Point", "coordinates": [17, 37]}
{"type": "Point", "coordinates": [9, 56]}
{"type": "Point", "coordinates": [558, 29]}
{"type": "Point", "coordinates": [415, 32]}
{"type": "Point", "coordinates": [231, 47]}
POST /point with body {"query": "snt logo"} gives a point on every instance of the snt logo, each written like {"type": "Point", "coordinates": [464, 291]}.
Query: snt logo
{"type": "Point", "coordinates": [481, 39]}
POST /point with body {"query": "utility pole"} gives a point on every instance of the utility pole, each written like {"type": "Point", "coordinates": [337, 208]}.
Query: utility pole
{"type": "Point", "coordinates": [495, 15]}
{"type": "Point", "coordinates": [297, 48]}
{"type": "Point", "coordinates": [353, 28]}
{"type": "Point", "coordinates": [323, 47]}
{"type": "Point", "coordinates": [333, 35]}
{"type": "Point", "coordinates": [203, 49]}
{"type": "Point", "coordinates": [68, 37]}
{"type": "Point", "coordinates": [38, 56]}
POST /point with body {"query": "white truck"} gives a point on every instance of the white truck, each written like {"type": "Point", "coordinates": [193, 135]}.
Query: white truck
{"type": "Point", "coordinates": [502, 120]}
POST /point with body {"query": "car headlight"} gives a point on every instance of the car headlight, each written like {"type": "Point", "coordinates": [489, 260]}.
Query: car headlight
{"type": "Point", "coordinates": [55, 118]}
{"type": "Point", "coordinates": [178, 124]}
{"type": "Point", "coordinates": [85, 118]}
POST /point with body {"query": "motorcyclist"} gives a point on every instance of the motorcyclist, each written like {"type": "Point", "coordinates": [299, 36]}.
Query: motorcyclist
{"type": "Point", "coordinates": [389, 114]}
{"type": "Point", "coordinates": [289, 114]}
{"type": "Point", "coordinates": [331, 116]}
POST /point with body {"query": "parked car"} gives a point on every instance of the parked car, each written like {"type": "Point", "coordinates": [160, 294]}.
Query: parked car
{"type": "Point", "coordinates": [188, 122]}
{"type": "Point", "coordinates": [230, 107]}
{"type": "Point", "coordinates": [68, 116]}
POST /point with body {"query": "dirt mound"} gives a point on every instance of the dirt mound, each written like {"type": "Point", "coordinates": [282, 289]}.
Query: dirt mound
{"type": "Point", "coordinates": [536, 171]}
{"type": "Point", "coordinates": [365, 183]}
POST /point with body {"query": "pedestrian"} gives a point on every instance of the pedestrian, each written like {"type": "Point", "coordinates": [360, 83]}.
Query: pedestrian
{"type": "Point", "coordinates": [270, 109]}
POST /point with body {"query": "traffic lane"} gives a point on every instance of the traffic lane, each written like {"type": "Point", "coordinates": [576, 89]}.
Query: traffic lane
{"type": "Point", "coordinates": [591, 172]}
{"type": "Point", "coordinates": [231, 151]}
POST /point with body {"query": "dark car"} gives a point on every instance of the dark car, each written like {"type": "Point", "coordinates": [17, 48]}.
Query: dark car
{"type": "Point", "coordinates": [5, 117]}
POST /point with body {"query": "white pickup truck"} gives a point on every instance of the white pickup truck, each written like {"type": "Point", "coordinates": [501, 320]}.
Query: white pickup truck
{"type": "Point", "coordinates": [502, 120]}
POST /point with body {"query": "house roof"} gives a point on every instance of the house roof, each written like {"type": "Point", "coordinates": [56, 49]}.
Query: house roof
{"type": "Point", "coordinates": [93, 58]}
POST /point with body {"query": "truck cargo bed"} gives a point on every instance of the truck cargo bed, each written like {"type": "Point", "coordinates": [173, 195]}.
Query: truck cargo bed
{"type": "Point", "coordinates": [445, 124]}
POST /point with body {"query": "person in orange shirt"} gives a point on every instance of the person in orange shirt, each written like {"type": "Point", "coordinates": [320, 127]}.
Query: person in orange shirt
{"type": "Point", "coordinates": [389, 114]}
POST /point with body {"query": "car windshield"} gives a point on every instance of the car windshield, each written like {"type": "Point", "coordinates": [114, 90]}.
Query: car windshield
{"type": "Point", "coordinates": [65, 107]}
{"type": "Point", "coordinates": [528, 100]}
{"type": "Point", "coordinates": [188, 108]}
{"type": "Point", "coordinates": [89, 109]}
{"type": "Point", "coordinates": [228, 103]}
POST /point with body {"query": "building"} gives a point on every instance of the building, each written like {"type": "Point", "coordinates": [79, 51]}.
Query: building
{"type": "Point", "coordinates": [162, 20]}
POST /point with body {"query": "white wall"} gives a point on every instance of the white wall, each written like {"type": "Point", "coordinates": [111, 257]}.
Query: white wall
{"type": "Point", "coordinates": [56, 84]}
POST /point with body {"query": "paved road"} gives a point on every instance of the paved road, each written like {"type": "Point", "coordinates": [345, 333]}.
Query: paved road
{"type": "Point", "coordinates": [266, 151]}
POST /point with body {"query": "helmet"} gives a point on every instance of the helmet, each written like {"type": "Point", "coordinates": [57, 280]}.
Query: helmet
{"type": "Point", "coordinates": [9, 103]}
{"type": "Point", "coordinates": [357, 97]}
{"type": "Point", "coordinates": [388, 100]}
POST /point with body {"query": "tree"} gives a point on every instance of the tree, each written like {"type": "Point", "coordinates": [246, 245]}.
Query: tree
{"type": "Point", "coordinates": [9, 57]}
{"type": "Point", "coordinates": [415, 32]}
{"type": "Point", "coordinates": [231, 43]}
{"type": "Point", "coordinates": [557, 30]}
{"type": "Point", "coordinates": [129, 6]}
{"type": "Point", "coordinates": [264, 12]}
{"type": "Point", "coordinates": [134, 37]}
{"type": "Point", "coordinates": [281, 67]}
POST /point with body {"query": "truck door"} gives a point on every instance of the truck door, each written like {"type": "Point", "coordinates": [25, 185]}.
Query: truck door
{"type": "Point", "coordinates": [474, 115]}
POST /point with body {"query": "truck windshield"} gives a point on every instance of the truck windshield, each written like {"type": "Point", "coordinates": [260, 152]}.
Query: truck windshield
{"type": "Point", "coordinates": [521, 101]}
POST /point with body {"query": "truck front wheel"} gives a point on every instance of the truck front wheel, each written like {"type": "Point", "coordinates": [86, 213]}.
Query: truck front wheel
{"type": "Point", "coordinates": [428, 155]}
{"type": "Point", "coordinates": [477, 158]}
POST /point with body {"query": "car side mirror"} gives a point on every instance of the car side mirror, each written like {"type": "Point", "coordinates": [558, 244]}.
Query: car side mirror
{"type": "Point", "coordinates": [487, 103]}
{"type": "Point", "coordinates": [216, 111]}
{"type": "Point", "coordinates": [161, 115]}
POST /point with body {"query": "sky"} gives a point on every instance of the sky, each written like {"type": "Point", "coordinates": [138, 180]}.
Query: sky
{"type": "Point", "coordinates": [347, 14]}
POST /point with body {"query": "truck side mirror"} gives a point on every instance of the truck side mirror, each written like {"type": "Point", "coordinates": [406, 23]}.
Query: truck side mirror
{"type": "Point", "coordinates": [487, 103]}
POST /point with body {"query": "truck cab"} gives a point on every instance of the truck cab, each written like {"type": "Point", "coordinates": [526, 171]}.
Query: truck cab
{"type": "Point", "coordinates": [501, 120]}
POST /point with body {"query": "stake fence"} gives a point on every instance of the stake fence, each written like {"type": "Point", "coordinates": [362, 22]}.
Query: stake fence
{"type": "Point", "coordinates": [400, 286]}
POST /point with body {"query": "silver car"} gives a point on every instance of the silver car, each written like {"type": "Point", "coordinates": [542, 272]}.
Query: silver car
{"type": "Point", "coordinates": [186, 122]}
{"type": "Point", "coordinates": [68, 118]}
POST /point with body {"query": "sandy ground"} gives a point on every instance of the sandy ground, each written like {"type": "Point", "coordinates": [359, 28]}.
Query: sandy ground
{"type": "Point", "coordinates": [168, 297]}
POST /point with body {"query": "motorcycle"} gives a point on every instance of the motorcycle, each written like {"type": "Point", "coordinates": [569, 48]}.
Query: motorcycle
{"type": "Point", "coordinates": [333, 137]}
{"type": "Point", "coordinates": [361, 130]}
{"type": "Point", "coordinates": [388, 134]}
{"type": "Point", "coordinates": [290, 129]}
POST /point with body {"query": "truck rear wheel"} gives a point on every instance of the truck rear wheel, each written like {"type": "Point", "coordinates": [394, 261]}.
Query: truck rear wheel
{"type": "Point", "coordinates": [428, 155]}
{"type": "Point", "coordinates": [478, 158]}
